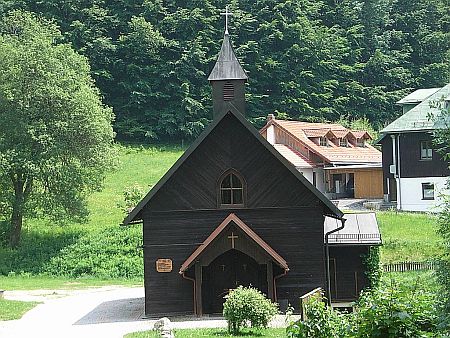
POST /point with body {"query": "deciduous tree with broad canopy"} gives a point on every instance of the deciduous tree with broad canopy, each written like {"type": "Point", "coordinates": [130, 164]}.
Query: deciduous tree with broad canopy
{"type": "Point", "coordinates": [56, 138]}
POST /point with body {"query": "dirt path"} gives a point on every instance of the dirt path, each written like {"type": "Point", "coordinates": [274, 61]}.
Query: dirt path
{"type": "Point", "coordinates": [101, 312]}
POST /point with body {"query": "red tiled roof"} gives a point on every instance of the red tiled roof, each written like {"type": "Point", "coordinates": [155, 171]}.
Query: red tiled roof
{"type": "Point", "coordinates": [361, 134]}
{"type": "Point", "coordinates": [293, 156]}
{"type": "Point", "coordinates": [331, 153]}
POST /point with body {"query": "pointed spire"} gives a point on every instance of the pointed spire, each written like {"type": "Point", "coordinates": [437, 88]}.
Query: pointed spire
{"type": "Point", "coordinates": [227, 66]}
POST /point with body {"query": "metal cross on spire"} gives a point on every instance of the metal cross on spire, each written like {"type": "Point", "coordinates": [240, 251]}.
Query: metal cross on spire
{"type": "Point", "coordinates": [227, 14]}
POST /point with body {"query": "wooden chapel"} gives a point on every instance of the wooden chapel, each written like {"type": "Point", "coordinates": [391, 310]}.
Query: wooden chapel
{"type": "Point", "coordinates": [231, 211]}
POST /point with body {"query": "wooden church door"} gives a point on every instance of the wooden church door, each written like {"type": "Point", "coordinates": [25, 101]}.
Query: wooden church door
{"type": "Point", "coordinates": [226, 272]}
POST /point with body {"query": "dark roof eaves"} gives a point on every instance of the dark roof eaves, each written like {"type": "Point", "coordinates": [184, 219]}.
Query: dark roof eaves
{"type": "Point", "coordinates": [172, 170]}
{"type": "Point", "coordinates": [335, 212]}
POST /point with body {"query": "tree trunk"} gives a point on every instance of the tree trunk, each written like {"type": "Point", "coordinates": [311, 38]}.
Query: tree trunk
{"type": "Point", "coordinates": [22, 189]}
{"type": "Point", "coordinates": [16, 222]}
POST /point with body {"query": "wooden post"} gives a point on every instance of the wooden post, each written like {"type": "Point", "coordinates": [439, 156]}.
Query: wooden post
{"type": "Point", "coordinates": [198, 289]}
{"type": "Point", "coordinates": [270, 290]}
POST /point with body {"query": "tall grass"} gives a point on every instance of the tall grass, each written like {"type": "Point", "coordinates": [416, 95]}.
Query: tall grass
{"type": "Point", "coordinates": [408, 236]}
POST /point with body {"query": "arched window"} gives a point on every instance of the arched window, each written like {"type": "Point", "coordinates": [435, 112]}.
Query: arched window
{"type": "Point", "coordinates": [228, 91]}
{"type": "Point", "coordinates": [231, 190]}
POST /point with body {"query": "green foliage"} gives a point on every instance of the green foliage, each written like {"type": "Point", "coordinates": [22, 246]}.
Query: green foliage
{"type": "Point", "coordinates": [307, 59]}
{"type": "Point", "coordinates": [373, 266]}
{"type": "Point", "coordinates": [322, 322]}
{"type": "Point", "coordinates": [392, 310]}
{"type": "Point", "coordinates": [247, 306]}
{"type": "Point", "coordinates": [44, 246]}
{"type": "Point", "coordinates": [56, 135]}
{"type": "Point", "coordinates": [131, 197]}
{"type": "Point", "coordinates": [395, 311]}
{"type": "Point", "coordinates": [111, 253]}
{"type": "Point", "coordinates": [443, 271]}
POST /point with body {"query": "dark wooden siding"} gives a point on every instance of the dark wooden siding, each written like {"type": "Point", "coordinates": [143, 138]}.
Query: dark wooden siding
{"type": "Point", "coordinates": [183, 213]}
{"type": "Point", "coordinates": [296, 234]}
{"type": "Point", "coordinates": [348, 276]}
{"type": "Point", "coordinates": [230, 145]}
{"type": "Point", "coordinates": [410, 163]}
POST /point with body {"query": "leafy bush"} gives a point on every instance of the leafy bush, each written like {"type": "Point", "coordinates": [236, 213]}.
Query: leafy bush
{"type": "Point", "coordinates": [131, 197]}
{"type": "Point", "coordinates": [247, 306]}
{"type": "Point", "coordinates": [396, 311]}
{"type": "Point", "coordinates": [322, 322]}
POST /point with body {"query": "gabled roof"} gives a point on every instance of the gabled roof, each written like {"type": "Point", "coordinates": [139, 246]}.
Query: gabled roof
{"type": "Point", "coordinates": [236, 220]}
{"type": "Point", "coordinates": [361, 134]}
{"type": "Point", "coordinates": [332, 153]}
{"type": "Point", "coordinates": [227, 66]}
{"type": "Point", "coordinates": [424, 116]}
{"type": "Point", "coordinates": [360, 229]}
{"type": "Point", "coordinates": [134, 215]}
{"type": "Point", "coordinates": [417, 96]}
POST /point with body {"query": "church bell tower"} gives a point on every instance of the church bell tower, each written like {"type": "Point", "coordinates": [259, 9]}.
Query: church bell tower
{"type": "Point", "coordinates": [227, 77]}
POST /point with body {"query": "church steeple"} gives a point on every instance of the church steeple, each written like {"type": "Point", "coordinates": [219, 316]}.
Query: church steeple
{"type": "Point", "coordinates": [227, 77]}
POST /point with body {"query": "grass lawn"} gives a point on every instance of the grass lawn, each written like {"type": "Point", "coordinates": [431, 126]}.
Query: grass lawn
{"type": "Point", "coordinates": [43, 282]}
{"type": "Point", "coordinates": [43, 241]}
{"type": "Point", "coordinates": [14, 309]}
{"type": "Point", "coordinates": [408, 236]}
{"type": "Point", "coordinates": [205, 333]}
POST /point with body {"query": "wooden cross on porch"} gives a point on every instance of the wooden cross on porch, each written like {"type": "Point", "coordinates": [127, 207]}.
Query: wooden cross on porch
{"type": "Point", "coordinates": [227, 14]}
{"type": "Point", "coordinates": [232, 237]}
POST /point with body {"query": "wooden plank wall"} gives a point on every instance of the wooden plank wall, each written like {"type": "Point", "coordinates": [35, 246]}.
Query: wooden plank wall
{"type": "Point", "coordinates": [349, 272]}
{"type": "Point", "coordinates": [369, 183]}
{"type": "Point", "coordinates": [279, 208]}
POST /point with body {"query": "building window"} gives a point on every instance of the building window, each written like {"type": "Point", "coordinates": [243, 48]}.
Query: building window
{"type": "Point", "coordinates": [428, 191]}
{"type": "Point", "coordinates": [343, 142]}
{"type": "Point", "coordinates": [360, 142]}
{"type": "Point", "coordinates": [228, 91]}
{"type": "Point", "coordinates": [426, 150]}
{"type": "Point", "coordinates": [323, 141]}
{"type": "Point", "coordinates": [231, 190]}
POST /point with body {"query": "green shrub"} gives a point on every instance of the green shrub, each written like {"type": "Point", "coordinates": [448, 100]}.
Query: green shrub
{"type": "Point", "coordinates": [322, 322]}
{"type": "Point", "coordinates": [247, 306]}
{"type": "Point", "coordinates": [395, 311]}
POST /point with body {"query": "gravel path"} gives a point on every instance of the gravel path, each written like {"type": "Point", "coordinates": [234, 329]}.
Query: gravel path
{"type": "Point", "coordinates": [101, 312]}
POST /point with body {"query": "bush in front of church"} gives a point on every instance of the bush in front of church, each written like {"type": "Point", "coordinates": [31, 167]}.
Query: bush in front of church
{"type": "Point", "coordinates": [247, 306]}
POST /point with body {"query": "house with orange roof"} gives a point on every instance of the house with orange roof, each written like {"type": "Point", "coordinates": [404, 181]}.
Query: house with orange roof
{"type": "Point", "coordinates": [337, 161]}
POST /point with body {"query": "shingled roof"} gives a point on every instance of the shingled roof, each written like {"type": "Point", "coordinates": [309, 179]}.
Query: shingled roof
{"type": "Point", "coordinates": [227, 66]}
{"type": "Point", "coordinates": [424, 116]}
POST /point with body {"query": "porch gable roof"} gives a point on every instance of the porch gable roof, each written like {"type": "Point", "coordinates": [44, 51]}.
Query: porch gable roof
{"type": "Point", "coordinates": [247, 230]}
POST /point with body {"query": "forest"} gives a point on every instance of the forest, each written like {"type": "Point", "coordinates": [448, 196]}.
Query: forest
{"type": "Point", "coordinates": [314, 60]}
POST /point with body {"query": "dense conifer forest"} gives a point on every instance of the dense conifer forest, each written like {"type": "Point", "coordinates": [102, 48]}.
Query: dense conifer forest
{"type": "Point", "coordinates": [316, 60]}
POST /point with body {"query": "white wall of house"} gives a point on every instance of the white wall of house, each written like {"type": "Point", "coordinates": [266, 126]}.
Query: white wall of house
{"type": "Point", "coordinates": [308, 174]}
{"type": "Point", "coordinates": [271, 134]}
{"type": "Point", "coordinates": [411, 198]}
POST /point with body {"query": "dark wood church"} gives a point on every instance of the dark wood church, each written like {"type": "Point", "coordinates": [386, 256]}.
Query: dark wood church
{"type": "Point", "coordinates": [232, 211]}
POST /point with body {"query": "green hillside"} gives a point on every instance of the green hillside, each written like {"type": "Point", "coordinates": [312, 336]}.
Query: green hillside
{"type": "Point", "coordinates": [103, 249]}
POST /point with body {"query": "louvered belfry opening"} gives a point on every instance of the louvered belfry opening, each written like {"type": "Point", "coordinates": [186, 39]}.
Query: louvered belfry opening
{"type": "Point", "coordinates": [228, 91]}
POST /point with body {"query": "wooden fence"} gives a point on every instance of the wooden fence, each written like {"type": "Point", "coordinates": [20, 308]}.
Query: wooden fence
{"type": "Point", "coordinates": [409, 266]}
